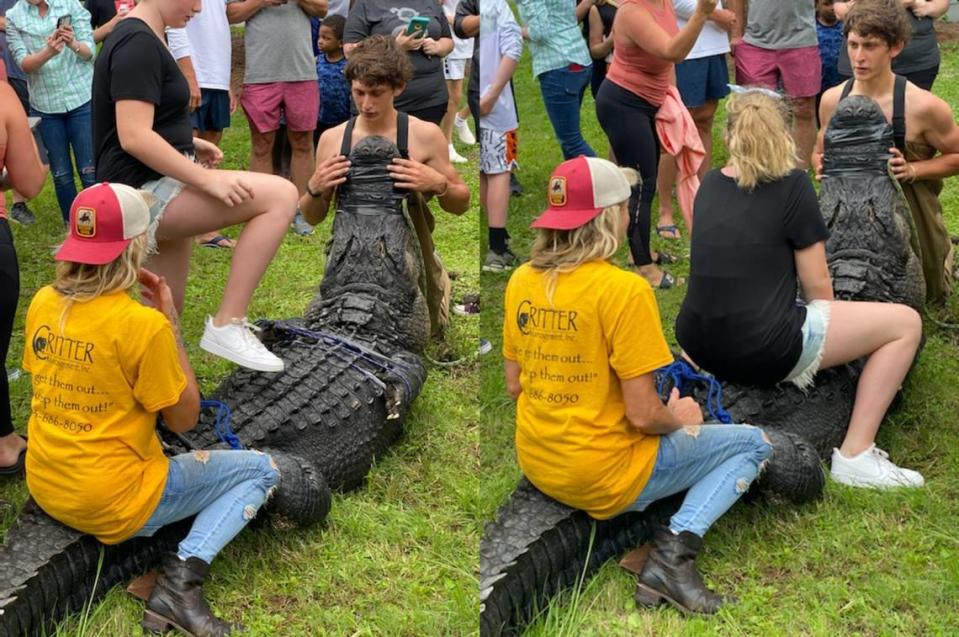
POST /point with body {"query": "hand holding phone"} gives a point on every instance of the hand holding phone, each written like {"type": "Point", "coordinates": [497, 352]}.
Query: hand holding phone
{"type": "Point", "coordinates": [64, 21]}
{"type": "Point", "coordinates": [418, 26]}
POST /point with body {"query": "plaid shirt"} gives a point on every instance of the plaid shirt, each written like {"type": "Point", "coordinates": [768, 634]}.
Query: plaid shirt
{"type": "Point", "coordinates": [64, 82]}
{"type": "Point", "coordinates": [555, 39]}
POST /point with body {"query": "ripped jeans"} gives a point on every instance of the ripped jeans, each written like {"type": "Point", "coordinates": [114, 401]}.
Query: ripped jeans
{"type": "Point", "coordinates": [224, 489]}
{"type": "Point", "coordinates": [60, 133]}
{"type": "Point", "coordinates": [717, 463]}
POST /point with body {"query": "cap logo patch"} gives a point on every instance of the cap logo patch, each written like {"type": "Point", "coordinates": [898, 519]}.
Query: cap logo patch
{"type": "Point", "coordinates": [557, 191]}
{"type": "Point", "coordinates": [86, 222]}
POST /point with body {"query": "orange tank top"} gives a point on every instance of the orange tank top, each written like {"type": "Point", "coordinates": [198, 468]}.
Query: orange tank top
{"type": "Point", "coordinates": [634, 68]}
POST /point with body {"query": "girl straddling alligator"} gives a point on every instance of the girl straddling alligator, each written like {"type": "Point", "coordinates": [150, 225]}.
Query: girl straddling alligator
{"type": "Point", "coordinates": [581, 339]}
{"type": "Point", "coordinates": [103, 368]}
{"type": "Point", "coordinates": [740, 320]}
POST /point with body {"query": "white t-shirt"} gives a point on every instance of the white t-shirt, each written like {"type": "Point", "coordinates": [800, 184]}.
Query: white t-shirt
{"type": "Point", "coordinates": [206, 39]}
{"type": "Point", "coordinates": [462, 49]}
{"type": "Point", "coordinates": [500, 36]}
{"type": "Point", "coordinates": [712, 40]}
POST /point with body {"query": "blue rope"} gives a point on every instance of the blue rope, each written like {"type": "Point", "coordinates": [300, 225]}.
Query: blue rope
{"type": "Point", "coordinates": [680, 373]}
{"type": "Point", "coordinates": [222, 423]}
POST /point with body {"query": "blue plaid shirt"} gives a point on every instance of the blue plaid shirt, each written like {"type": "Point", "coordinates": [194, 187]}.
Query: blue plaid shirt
{"type": "Point", "coordinates": [555, 40]}
{"type": "Point", "coordinates": [64, 82]}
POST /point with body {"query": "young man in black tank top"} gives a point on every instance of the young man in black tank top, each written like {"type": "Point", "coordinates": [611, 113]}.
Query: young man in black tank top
{"type": "Point", "coordinates": [876, 31]}
{"type": "Point", "coordinates": [377, 71]}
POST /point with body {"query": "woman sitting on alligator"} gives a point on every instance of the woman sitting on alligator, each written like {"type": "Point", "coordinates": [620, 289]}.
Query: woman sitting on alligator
{"type": "Point", "coordinates": [581, 339]}
{"type": "Point", "coordinates": [758, 226]}
{"type": "Point", "coordinates": [103, 368]}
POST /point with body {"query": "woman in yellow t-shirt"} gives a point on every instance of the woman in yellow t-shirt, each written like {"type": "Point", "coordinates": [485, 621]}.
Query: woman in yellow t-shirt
{"type": "Point", "coordinates": [103, 367]}
{"type": "Point", "coordinates": [581, 339]}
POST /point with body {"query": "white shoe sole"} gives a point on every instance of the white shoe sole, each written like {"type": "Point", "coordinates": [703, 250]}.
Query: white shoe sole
{"type": "Point", "coordinates": [215, 348]}
{"type": "Point", "coordinates": [853, 481]}
{"type": "Point", "coordinates": [464, 134]}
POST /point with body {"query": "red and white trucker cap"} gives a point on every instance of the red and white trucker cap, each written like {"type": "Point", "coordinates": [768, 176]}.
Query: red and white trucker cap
{"type": "Point", "coordinates": [580, 189]}
{"type": "Point", "coordinates": [103, 220]}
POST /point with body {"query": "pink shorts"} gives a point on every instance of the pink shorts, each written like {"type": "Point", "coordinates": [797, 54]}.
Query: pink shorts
{"type": "Point", "coordinates": [299, 100]}
{"type": "Point", "coordinates": [799, 70]}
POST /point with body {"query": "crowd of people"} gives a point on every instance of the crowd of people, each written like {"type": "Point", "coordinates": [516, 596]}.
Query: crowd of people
{"type": "Point", "coordinates": [135, 97]}
{"type": "Point", "coordinates": [582, 337]}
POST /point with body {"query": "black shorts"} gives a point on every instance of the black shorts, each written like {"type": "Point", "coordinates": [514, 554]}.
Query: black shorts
{"type": "Point", "coordinates": [214, 111]}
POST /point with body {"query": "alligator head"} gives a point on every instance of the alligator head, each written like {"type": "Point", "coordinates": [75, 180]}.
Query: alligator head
{"type": "Point", "coordinates": [372, 284]}
{"type": "Point", "coordinates": [872, 247]}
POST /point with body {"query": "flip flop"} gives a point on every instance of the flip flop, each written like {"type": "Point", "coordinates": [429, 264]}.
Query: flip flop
{"type": "Point", "coordinates": [671, 229]}
{"type": "Point", "coordinates": [16, 468]}
{"type": "Point", "coordinates": [218, 242]}
{"type": "Point", "coordinates": [668, 281]}
{"type": "Point", "coordinates": [665, 258]}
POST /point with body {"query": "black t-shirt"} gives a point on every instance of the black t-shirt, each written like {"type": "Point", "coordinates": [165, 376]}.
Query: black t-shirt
{"type": "Point", "coordinates": [740, 320]}
{"type": "Point", "coordinates": [427, 88]}
{"type": "Point", "coordinates": [135, 65]}
{"type": "Point", "coordinates": [101, 11]}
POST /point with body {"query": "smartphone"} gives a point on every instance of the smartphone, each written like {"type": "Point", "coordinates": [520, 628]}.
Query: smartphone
{"type": "Point", "coordinates": [63, 21]}
{"type": "Point", "coordinates": [418, 26]}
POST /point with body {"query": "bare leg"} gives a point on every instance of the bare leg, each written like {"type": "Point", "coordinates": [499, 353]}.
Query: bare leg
{"type": "Point", "coordinates": [703, 116]}
{"type": "Point", "coordinates": [214, 137]}
{"type": "Point", "coordinates": [497, 198]}
{"type": "Point", "coordinates": [804, 129]}
{"type": "Point", "coordinates": [267, 216]}
{"type": "Point", "coordinates": [665, 181]}
{"type": "Point", "coordinates": [10, 447]}
{"type": "Point", "coordinates": [889, 335]}
{"type": "Point", "coordinates": [301, 162]}
{"type": "Point", "coordinates": [172, 260]}
{"type": "Point", "coordinates": [455, 90]}
{"type": "Point", "coordinates": [261, 151]}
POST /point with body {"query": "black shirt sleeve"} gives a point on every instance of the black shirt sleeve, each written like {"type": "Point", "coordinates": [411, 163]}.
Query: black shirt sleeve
{"type": "Point", "coordinates": [464, 9]}
{"type": "Point", "coordinates": [357, 24]}
{"type": "Point", "coordinates": [136, 70]}
{"type": "Point", "coordinates": [802, 219]}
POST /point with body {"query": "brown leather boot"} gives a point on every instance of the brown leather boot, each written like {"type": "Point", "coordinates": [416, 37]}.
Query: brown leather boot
{"type": "Point", "coordinates": [670, 575]}
{"type": "Point", "coordinates": [177, 601]}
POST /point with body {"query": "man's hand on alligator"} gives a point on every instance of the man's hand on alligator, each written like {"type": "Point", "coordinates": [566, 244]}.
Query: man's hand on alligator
{"type": "Point", "coordinates": [901, 169]}
{"type": "Point", "coordinates": [409, 174]}
{"type": "Point", "coordinates": [329, 174]}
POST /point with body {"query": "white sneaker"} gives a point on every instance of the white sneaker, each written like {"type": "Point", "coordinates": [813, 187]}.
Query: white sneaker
{"type": "Point", "coordinates": [872, 469]}
{"type": "Point", "coordinates": [237, 343]}
{"type": "Point", "coordinates": [463, 131]}
{"type": "Point", "coordinates": [455, 157]}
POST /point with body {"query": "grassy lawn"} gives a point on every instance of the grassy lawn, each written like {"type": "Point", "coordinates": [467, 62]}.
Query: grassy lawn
{"type": "Point", "coordinates": [397, 557]}
{"type": "Point", "coordinates": [856, 563]}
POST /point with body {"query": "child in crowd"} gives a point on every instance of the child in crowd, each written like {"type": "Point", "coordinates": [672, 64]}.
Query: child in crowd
{"type": "Point", "coordinates": [829, 31]}
{"type": "Point", "coordinates": [501, 45]}
{"type": "Point", "coordinates": [104, 367]}
{"type": "Point", "coordinates": [330, 76]}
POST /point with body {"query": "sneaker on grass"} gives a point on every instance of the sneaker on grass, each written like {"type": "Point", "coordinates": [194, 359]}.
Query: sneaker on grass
{"type": "Point", "coordinates": [455, 157]}
{"type": "Point", "coordinates": [469, 306]}
{"type": "Point", "coordinates": [21, 214]}
{"type": "Point", "coordinates": [496, 262]}
{"type": "Point", "coordinates": [872, 469]}
{"type": "Point", "coordinates": [13, 373]}
{"type": "Point", "coordinates": [463, 131]}
{"type": "Point", "coordinates": [236, 342]}
{"type": "Point", "coordinates": [300, 226]}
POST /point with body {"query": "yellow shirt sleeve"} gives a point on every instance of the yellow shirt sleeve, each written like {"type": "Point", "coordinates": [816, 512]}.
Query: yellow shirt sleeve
{"type": "Point", "coordinates": [159, 378]}
{"type": "Point", "coordinates": [635, 333]}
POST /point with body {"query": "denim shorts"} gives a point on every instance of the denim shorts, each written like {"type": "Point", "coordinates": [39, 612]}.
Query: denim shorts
{"type": "Point", "coordinates": [164, 190]}
{"type": "Point", "coordinates": [814, 330]}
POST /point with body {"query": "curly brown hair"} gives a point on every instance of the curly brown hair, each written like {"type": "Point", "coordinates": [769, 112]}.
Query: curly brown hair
{"type": "Point", "coordinates": [377, 60]}
{"type": "Point", "coordinates": [884, 19]}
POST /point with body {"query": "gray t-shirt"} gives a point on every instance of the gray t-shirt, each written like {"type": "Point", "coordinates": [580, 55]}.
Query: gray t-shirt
{"type": "Point", "coordinates": [781, 24]}
{"type": "Point", "coordinates": [278, 46]}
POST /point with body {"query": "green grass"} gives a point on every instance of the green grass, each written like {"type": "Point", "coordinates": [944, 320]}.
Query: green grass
{"type": "Point", "coordinates": [856, 563]}
{"type": "Point", "coordinates": [397, 557]}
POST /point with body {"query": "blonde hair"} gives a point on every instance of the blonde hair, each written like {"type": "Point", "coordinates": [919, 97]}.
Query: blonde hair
{"type": "Point", "coordinates": [81, 282]}
{"type": "Point", "coordinates": [761, 147]}
{"type": "Point", "coordinates": [558, 251]}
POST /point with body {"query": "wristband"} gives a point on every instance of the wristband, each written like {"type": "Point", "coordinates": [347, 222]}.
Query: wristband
{"type": "Point", "coordinates": [445, 190]}
{"type": "Point", "coordinates": [315, 195]}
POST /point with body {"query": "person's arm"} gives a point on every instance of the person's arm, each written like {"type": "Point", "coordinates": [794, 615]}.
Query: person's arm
{"type": "Point", "coordinates": [243, 10]}
{"type": "Point", "coordinates": [357, 27]}
{"type": "Point", "coordinates": [511, 50]}
{"type": "Point", "coordinates": [934, 9]}
{"type": "Point", "coordinates": [647, 413]}
{"type": "Point", "coordinates": [330, 172]}
{"type": "Point", "coordinates": [511, 369]}
{"type": "Point", "coordinates": [583, 8]}
{"type": "Point", "coordinates": [181, 416]}
{"type": "Point", "coordinates": [24, 172]}
{"type": "Point", "coordinates": [740, 10]}
{"type": "Point", "coordinates": [538, 24]}
{"type": "Point", "coordinates": [438, 48]}
{"type": "Point", "coordinates": [31, 62]}
{"type": "Point", "coordinates": [599, 45]}
{"type": "Point", "coordinates": [640, 27]}
{"type": "Point", "coordinates": [942, 134]}
{"type": "Point", "coordinates": [436, 176]}
{"type": "Point", "coordinates": [314, 8]}
{"type": "Point", "coordinates": [179, 44]}
{"type": "Point", "coordinates": [826, 108]}
{"type": "Point", "coordinates": [842, 8]}
{"type": "Point", "coordinates": [79, 37]}
{"type": "Point", "coordinates": [466, 21]}
{"type": "Point", "coordinates": [813, 272]}
{"type": "Point", "coordinates": [101, 32]}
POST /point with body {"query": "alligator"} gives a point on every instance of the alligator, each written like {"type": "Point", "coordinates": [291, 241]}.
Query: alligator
{"type": "Point", "coordinates": [353, 367]}
{"type": "Point", "coordinates": [536, 547]}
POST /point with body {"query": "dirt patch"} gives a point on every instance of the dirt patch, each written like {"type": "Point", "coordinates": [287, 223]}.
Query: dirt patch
{"type": "Point", "coordinates": [238, 62]}
{"type": "Point", "coordinates": [947, 31]}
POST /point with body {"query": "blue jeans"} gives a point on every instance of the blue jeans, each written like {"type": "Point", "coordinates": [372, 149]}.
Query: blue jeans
{"type": "Point", "coordinates": [224, 489]}
{"type": "Point", "coordinates": [60, 132]}
{"type": "Point", "coordinates": [563, 92]}
{"type": "Point", "coordinates": [717, 463]}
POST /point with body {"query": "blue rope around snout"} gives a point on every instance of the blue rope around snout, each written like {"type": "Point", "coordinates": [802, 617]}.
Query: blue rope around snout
{"type": "Point", "coordinates": [681, 373]}
{"type": "Point", "coordinates": [222, 423]}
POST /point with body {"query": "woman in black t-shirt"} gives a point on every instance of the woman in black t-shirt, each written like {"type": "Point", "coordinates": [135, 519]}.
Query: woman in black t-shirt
{"type": "Point", "coordinates": [425, 96]}
{"type": "Point", "coordinates": [143, 138]}
{"type": "Point", "coordinates": [758, 226]}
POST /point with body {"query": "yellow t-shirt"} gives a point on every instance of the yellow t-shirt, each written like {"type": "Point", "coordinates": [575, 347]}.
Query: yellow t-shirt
{"type": "Point", "coordinates": [94, 461]}
{"type": "Point", "coordinates": [573, 440]}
